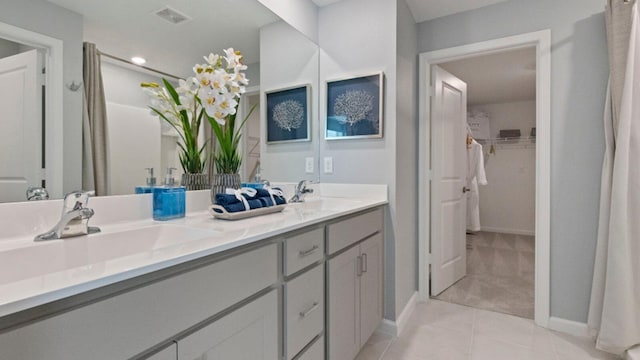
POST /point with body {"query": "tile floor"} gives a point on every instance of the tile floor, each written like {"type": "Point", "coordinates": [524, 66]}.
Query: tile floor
{"type": "Point", "coordinates": [443, 331]}
{"type": "Point", "coordinates": [500, 274]}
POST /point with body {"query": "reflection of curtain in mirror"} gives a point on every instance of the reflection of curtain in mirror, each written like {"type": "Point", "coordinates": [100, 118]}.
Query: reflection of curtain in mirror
{"type": "Point", "coordinates": [614, 314]}
{"type": "Point", "coordinates": [94, 124]}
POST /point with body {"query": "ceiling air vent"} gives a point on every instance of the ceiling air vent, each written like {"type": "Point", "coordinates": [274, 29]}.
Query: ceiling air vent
{"type": "Point", "coordinates": [171, 15]}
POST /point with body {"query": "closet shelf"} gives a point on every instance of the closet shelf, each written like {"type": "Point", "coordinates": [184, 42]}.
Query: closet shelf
{"type": "Point", "coordinates": [508, 141]}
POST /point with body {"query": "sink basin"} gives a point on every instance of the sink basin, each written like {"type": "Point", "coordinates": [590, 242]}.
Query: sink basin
{"type": "Point", "coordinates": [84, 251]}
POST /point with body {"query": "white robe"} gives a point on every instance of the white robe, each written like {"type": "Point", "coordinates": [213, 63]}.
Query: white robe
{"type": "Point", "coordinates": [475, 176]}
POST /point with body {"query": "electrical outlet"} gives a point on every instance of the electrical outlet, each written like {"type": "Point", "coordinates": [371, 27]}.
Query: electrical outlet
{"type": "Point", "coordinates": [328, 165]}
{"type": "Point", "coordinates": [308, 165]}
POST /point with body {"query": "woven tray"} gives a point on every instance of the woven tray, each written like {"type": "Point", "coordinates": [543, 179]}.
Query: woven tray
{"type": "Point", "coordinates": [243, 214]}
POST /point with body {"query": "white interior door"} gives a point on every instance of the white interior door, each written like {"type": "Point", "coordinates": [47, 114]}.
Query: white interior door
{"type": "Point", "coordinates": [448, 185]}
{"type": "Point", "coordinates": [21, 117]}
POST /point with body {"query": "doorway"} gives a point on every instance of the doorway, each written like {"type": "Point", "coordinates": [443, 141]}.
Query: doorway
{"type": "Point", "coordinates": [500, 144]}
{"type": "Point", "coordinates": [540, 41]}
{"type": "Point", "coordinates": [52, 107]}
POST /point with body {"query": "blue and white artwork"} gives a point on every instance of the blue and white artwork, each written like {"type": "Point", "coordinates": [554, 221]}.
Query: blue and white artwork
{"type": "Point", "coordinates": [354, 107]}
{"type": "Point", "coordinates": [288, 114]}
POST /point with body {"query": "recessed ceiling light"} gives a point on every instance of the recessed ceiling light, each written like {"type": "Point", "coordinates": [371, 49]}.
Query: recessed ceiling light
{"type": "Point", "coordinates": [138, 60]}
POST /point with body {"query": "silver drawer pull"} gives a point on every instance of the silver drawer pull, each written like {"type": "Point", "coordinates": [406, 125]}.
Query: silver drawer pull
{"type": "Point", "coordinates": [309, 252]}
{"type": "Point", "coordinates": [364, 263]}
{"type": "Point", "coordinates": [306, 313]}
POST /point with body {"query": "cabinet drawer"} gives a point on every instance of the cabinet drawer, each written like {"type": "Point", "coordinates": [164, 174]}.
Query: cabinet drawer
{"type": "Point", "coordinates": [303, 250]}
{"type": "Point", "coordinates": [346, 232]}
{"type": "Point", "coordinates": [304, 310]}
{"type": "Point", "coordinates": [250, 332]}
{"type": "Point", "coordinates": [315, 352]}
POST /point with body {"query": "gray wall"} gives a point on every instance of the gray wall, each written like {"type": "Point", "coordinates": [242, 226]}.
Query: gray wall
{"type": "Point", "coordinates": [579, 72]}
{"type": "Point", "coordinates": [48, 19]}
{"type": "Point", "coordinates": [406, 157]}
{"type": "Point", "coordinates": [8, 48]}
{"type": "Point", "coordinates": [352, 45]}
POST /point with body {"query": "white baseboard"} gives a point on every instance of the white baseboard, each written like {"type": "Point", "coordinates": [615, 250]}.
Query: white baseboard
{"type": "Point", "coordinates": [508, 231]}
{"type": "Point", "coordinates": [394, 328]}
{"type": "Point", "coordinates": [568, 326]}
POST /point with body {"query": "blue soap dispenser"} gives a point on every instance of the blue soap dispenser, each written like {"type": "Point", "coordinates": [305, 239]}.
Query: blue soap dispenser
{"type": "Point", "coordinates": [169, 200]}
{"type": "Point", "coordinates": [151, 183]}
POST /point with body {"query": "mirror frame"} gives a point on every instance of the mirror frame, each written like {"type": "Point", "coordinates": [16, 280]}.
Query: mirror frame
{"type": "Point", "coordinates": [54, 127]}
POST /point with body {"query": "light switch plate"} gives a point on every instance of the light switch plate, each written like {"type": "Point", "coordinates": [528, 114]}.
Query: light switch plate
{"type": "Point", "coordinates": [328, 165]}
{"type": "Point", "coordinates": [308, 165]}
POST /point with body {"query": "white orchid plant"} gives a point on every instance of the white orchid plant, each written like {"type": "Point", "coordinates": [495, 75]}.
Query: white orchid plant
{"type": "Point", "coordinates": [213, 93]}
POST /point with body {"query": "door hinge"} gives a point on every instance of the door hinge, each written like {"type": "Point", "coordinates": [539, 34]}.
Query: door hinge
{"type": "Point", "coordinates": [429, 175]}
{"type": "Point", "coordinates": [432, 91]}
{"type": "Point", "coordinates": [428, 260]}
{"type": "Point", "coordinates": [43, 174]}
{"type": "Point", "coordinates": [43, 77]}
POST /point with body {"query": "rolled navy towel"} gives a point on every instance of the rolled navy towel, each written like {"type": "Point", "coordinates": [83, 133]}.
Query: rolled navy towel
{"type": "Point", "coordinates": [239, 206]}
{"type": "Point", "coordinates": [266, 201]}
{"type": "Point", "coordinates": [260, 193]}
{"type": "Point", "coordinates": [227, 199]}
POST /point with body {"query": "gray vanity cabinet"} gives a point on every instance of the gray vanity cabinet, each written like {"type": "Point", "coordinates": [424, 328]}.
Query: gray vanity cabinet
{"type": "Point", "coordinates": [310, 294]}
{"type": "Point", "coordinates": [354, 283]}
{"type": "Point", "coordinates": [128, 324]}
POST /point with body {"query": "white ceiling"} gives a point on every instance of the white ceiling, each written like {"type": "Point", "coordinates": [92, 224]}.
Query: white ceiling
{"type": "Point", "coordinates": [126, 28]}
{"type": "Point", "coordinates": [322, 3]}
{"type": "Point", "coordinates": [424, 10]}
{"type": "Point", "coordinates": [497, 78]}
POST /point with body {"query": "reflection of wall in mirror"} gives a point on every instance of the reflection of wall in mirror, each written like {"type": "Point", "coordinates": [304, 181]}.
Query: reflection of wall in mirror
{"type": "Point", "coordinates": [286, 161]}
{"type": "Point", "coordinates": [46, 18]}
{"type": "Point", "coordinates": [137, 140]}
{"type": "Point", "coordinates": [251, 153]}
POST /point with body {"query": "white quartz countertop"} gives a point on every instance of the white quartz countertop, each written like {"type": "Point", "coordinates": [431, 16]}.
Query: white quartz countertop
{"type": "Point", "coordinates": [33, 274]}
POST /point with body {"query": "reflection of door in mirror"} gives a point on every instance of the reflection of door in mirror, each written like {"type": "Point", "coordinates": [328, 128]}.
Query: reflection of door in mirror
{"type": "Point", "coordinates": [21, 86]}
{"type": "Point", "coordinates": [251, 136]}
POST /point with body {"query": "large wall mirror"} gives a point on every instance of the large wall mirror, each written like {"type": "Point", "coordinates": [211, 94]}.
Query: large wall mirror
{"type": "Point", "coordinates": [42, 139]}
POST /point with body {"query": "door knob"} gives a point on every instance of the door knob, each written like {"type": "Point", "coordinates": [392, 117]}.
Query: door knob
{"type": "Point", "coordinates": [465, 189]}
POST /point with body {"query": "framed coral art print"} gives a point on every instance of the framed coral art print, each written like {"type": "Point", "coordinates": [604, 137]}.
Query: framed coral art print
{"type": "Point", "coordinates": [354, 107]}
{"type": "Point", "coordinates": [288, 113]}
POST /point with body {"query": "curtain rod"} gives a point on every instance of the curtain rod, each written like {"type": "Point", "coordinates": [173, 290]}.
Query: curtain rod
{"type": "Point", "coordinates": [141, 66]}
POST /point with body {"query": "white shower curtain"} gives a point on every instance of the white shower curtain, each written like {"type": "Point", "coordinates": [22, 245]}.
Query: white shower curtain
{"type": "Point", "coordinates": [94, 129]}
{"type": "Point", "coordinates": [614, 313]}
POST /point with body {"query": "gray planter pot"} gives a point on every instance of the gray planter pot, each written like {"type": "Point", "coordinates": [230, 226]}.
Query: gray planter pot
{"type": "Point", "coordinates": [195, 181]}
{"type": "Point", "coordinates": [220, 183]}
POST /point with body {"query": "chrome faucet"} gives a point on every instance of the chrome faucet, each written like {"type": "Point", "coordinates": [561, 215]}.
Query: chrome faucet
{"type": "Point", "coordinates": [301, 190]}
{"type": "Point", "coordinates": [74, 220]}
{"type": "Point", "coordinates": [37, 193]}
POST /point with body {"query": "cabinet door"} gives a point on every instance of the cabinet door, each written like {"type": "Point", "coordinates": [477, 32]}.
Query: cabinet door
{"type": "Point", "coordinates": [344, 305]}
{"type": "Point", "coordinates": [249, 333]}
{"type": "Point", "coordinates": [370, 287]}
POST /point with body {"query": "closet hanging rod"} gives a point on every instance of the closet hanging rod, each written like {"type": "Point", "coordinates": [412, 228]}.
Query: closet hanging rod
{"type": "Point", "coordinates": [505, 139]}
{"type": "Point", "coordinates": [101, 53]}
